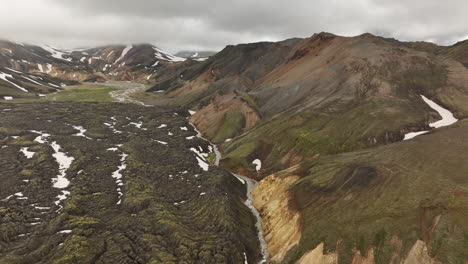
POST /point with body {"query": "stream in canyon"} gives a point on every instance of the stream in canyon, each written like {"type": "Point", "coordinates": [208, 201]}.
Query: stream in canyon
{"type": "Point", "coordinates": [123, 95]}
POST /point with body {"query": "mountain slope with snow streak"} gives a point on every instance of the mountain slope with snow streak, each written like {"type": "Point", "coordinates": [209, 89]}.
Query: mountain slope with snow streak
{"type": "Point", "coordinates": [447, 118]}
{"type": "Point", "coordinates": [138, 62]}
{"type": "Point", "coordinates": [15, 83]}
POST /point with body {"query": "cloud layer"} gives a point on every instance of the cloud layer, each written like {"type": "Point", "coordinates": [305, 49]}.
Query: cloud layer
{"type": "Point", "coordinates": [210, 25]}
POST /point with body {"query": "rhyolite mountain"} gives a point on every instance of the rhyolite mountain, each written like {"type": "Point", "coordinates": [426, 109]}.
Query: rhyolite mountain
{"type": "Point", "coordinates": [287, 100]}
{"type": "Point", "coordinates": [139, 62]}
{"type": "Point", "coordinates": [326, 116]}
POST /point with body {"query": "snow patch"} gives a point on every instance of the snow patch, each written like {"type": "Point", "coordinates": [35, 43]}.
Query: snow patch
{"type": "Point", "coordinates": [117, 175]}
{"type": "Point", "coordinates": [447, 116]}
{"type": "Point", "coordinates": [81, 132]}
{"type": "Point", "coordinates": [162, 55]}
{"type": "Point", "coordinates": [64, 162]}
{"type": "Point", "coordinates": [55, 53]}
{"type": "Point", "coordinates": [124, 52]}
{"type": "Point", "coordinates": [258, 164]}
{"type": "Point", "coordinates": [414, 134]}
{"type": "Point", "coordinates": [203, 164]}
{"type": "Point", "coordinates": [137, 125]}
{"type": "Point", "coordinates": [27, 153]}
{"type": "Point", "coordinates": [161, 142]}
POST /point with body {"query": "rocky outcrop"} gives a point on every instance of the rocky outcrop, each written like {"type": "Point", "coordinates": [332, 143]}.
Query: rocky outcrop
{"type": "Point", "coordinates": [317, 256]}
{"type": "Point", "coordinates": [419, 255]}
{"type": "Point", "coordinates": [280, 223]}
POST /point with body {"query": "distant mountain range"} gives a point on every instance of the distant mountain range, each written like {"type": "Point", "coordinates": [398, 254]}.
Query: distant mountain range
{"type": "Point", "coordinates": [195, 54]}
{"type": "Point", "coordinates": [23, 67]}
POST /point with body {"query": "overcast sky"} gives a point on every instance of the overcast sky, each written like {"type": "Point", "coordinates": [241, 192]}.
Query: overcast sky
{"type": "Point", "coordinates": [176, 25]}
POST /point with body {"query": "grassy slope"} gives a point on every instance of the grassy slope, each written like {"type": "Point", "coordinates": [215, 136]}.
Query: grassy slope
{"type": "Point", "coordinates": [84, 94]}
{"type": "Point", "coordinates": [458, 51]}
{"type": "Point", "coordinates": [398, 189]}
{"type": "Point", "coordinates": [314, 132]}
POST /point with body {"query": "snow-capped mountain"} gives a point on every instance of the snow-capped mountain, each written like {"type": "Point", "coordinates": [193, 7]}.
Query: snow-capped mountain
{"type": "Point", "coordinates": [22, 63]}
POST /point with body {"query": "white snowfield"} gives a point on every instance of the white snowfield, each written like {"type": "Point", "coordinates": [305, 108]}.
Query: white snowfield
{"type": "Point", "coordinates": [447, 118]}
{"type": "Point", "coordinates": [55, 53]}
{"type": "Point", "coordinates": [162, 55]}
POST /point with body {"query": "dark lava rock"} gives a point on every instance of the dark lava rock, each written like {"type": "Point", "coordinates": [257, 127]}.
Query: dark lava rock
{"type": "Point", "coordinates": [171, 210]}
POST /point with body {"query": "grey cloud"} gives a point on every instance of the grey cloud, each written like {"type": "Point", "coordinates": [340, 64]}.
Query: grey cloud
{"type": "Point", "coordinates": [207, 24]}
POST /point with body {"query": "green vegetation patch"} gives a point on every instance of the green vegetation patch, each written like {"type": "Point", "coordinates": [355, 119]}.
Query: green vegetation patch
{"type": "Point", "coordinates": [232, 125]}
{"type": "Point", "coordinates": [387, 198]}
{"type": "Point", "coordinates": [98, 94]}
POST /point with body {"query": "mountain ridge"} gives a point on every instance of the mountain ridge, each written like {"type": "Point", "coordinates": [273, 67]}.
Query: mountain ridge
{"type": "Point", "coordinates": [326, 116]}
